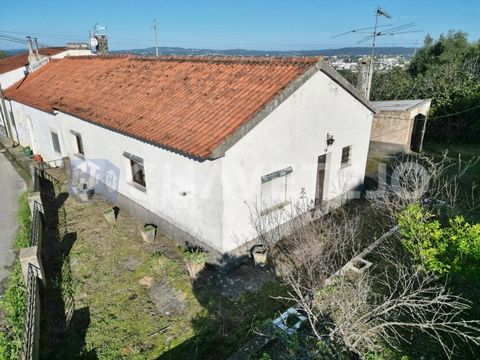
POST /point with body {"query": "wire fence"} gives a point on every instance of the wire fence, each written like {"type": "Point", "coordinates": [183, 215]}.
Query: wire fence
{"type": "Point", "coordinates": [37, 227]}
{"type": "Point", "coordinates": [32, 314]}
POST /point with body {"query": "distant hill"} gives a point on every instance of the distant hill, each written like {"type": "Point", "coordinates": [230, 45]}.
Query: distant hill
{"type": "Point", "coordinates": [349, 51]}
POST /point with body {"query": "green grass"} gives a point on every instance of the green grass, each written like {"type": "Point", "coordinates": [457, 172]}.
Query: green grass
{"type": "Point", "coordinates": [24, 219]}
{"type": "Point", "coordinates": [114, 316]}
{"type": "Point", "coordinates": [13, 302]}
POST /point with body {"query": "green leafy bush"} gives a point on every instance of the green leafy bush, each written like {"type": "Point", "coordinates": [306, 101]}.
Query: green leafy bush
{"type": "Point", "coordinates": [454, 248]}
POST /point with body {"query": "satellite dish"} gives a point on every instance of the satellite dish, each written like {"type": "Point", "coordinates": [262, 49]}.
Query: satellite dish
{"type": "Point", "coordinates": [93, 42]}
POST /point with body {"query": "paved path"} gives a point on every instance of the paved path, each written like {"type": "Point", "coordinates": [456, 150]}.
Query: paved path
{"type": "Point", "coordinates": [11, 186]}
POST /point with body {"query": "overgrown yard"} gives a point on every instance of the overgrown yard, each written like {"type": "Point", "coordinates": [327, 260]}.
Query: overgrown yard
{"type": "Point", "coordinates": [128, 299]}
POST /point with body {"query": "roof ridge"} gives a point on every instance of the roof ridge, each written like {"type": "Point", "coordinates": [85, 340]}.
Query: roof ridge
{"type": "Point", "coordinates": [281, 60]}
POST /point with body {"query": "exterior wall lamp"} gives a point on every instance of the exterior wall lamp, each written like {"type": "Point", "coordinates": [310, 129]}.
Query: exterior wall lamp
{"type": "Point", "coordinates": [330, 139]}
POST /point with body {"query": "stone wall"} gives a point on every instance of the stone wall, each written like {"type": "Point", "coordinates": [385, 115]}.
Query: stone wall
{"type": "Point", "coordinates": [392, 127]}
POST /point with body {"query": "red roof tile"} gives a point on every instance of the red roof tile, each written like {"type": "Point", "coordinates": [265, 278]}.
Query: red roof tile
{"type": "Point", "coordinates": [186, 104]}
{"type": "Point", "coordinates": [17, 61]}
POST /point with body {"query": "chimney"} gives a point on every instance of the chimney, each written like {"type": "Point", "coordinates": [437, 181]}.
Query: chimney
{"type": "Point", "coordinates": [365, 72]}
{"type": "Point", "coordinates": [32, 57]}
{"type": "Point", "coordinates": [30, 46]}
{"type": "Point", "coordinates": [35, 47]}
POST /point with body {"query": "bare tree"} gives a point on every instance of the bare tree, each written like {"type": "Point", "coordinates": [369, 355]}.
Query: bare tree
{"type": "Point", "coordinates": [360, 313]}
{"type": "Point", "coordinates": [306, 249]}
{"type": "Point", "coordinates": [417, 178]}
{"type": "Point", "coordinates": [363, 320]}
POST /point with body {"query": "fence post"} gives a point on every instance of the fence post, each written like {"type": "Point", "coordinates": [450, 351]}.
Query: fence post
{"type": "Point", "coordinates": [31, 256]}
{"type": "Point", "coordinates": [32, 198]}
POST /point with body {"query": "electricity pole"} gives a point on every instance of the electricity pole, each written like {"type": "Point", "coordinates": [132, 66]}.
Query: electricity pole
{"type": "Point", "coordinates": [154, 27]}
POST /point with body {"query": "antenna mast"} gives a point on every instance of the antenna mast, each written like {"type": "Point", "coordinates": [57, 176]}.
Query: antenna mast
{"type": "Point", "coordinates": [379, 12]}
{"type": "Point", "coordinates": [154, 27]}
{"type": "Point", "coordinates": [366, 65]}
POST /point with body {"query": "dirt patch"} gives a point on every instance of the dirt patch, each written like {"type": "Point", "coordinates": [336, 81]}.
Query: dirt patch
{"type": "Point", "coordinates": [168, 301]}
{"type": "Point", "coordinates": [130, 264]}
{"type": "Point", "coordinates": [245, 278]}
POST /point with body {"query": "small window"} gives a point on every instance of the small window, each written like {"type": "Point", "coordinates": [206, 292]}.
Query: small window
{"type": "Point", "coordinates": [78, 138]}
{"type": "Point", "coordinates": [346, 154]}
{"type": "Point", "coordinates": [56, 142]}
{"type": "Point", "coordinates": [274, 189]}
{"type": "Point", "coordinates": [138, 172]}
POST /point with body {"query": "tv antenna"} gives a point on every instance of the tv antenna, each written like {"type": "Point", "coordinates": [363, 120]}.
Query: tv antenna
{"type": "Point", "coordinates": [98, 39]}
{"type": "Point", "coordinates": [387, 30]}
{"type": "Point", "coordinates": [154, 27]}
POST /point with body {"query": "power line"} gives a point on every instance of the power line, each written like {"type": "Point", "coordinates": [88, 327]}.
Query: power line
{"type": "Point", "coordinates": [18, 40]}
{"type": "Point", "coordinates": [455, 113]}
{"type": "Point", "coordinates": [428, 119]}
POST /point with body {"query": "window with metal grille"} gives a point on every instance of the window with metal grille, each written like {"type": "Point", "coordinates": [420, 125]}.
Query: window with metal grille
{"type": "Point", "coordinates": [56, 142]}
{"type": "Point", "coordinates": [78, 138]}
{"type": "Point", "coordinates": [346, 154]}
{"type": "Point", "coordinates": [138, 172]}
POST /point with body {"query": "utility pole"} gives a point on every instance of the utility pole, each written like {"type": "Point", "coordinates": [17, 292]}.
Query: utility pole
{"type": "Point", "coordinates": [416, 45]}
{"type": "Point", "coordinates": [154, 27]}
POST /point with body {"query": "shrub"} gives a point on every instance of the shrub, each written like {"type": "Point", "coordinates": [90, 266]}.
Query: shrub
{"type": "Point", "coordinates": [454, 248]}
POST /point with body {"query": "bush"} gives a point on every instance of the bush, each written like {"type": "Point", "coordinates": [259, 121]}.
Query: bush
{"type": "Point", "coordinates": [454, 248]}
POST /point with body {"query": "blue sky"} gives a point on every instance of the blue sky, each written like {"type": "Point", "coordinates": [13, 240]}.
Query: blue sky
{"type": "Point", "coordinates": [250, 24]}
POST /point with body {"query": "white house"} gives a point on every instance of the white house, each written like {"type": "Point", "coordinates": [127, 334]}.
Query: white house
{"type": "Point", "coordinates": [192, 144]}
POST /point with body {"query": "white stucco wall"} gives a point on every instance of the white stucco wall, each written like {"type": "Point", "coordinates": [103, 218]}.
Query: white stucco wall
{"type": "Point", "coordinates": [33, 128]}
{"type": "Point", "coordinates": [11, 77]}
{"type": "Point", "coordinates": [295, 135]}
{"type": "Point", "coordinates": [211, 199]}
{"type": "Point", "coordinates": [72, 52]}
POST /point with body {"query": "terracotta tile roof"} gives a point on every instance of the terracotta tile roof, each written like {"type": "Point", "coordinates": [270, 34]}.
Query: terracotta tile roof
{"type": "Point", "coordinates": [17, 61]}
{"type": "Point", "coordinates": [185, 104]}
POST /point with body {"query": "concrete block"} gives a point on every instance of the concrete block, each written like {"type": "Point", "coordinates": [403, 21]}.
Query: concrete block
{"type": "Point", "coordinates": [32, 197]}
{"type": "Point", "coordinates": [28, 256]}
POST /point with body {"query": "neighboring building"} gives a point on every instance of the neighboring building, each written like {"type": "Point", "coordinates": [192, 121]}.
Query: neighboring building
{"type": "Point", "coordinates": [14, 68]}
{"type": "Point", "coordinates": [193, 144]}
{"type": "Point", "coordinates": [399, 125]}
